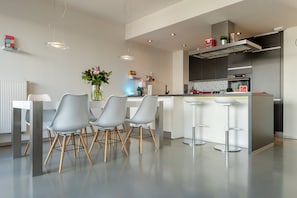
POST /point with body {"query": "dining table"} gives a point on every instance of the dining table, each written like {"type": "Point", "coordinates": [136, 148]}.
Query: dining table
{"type": "Point", "coordinates": [36, 127]}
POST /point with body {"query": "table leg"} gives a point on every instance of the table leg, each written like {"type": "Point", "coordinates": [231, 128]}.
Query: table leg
{"type": "Point", "coordinates": [16, 133]}
{"type": "Point", "coordinates": [36, 130]}
{"type": "Point", "coordinates": [159, 124]}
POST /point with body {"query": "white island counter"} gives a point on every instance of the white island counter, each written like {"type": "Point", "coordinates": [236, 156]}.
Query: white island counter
{"type": "Point", "coordinates": [253, 118]}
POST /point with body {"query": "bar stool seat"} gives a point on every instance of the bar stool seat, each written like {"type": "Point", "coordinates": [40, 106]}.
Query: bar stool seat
{"type": "Point", "coordinates": [194, 141]}
{"type": "Point", "coordinates": [227, 102]}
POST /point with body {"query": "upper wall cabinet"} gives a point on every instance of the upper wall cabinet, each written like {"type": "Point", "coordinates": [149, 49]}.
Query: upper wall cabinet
{"type": "Point", "coordinates": [195, 68]}
{"type": "Point", "coordinates": [207, 69]}
{"type": "Point", "coordinates": [240, 63]}
{"type": "Point", "coordinates": [268, 41]}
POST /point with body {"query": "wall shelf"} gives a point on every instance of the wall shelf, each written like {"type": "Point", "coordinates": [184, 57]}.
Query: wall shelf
{"type": "Point", "coordinates": [133, 77]}
{"type": "Point", "coordinates": [9, 49]}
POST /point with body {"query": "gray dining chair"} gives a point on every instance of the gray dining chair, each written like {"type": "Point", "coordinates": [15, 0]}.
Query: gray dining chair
{"type": "Point", "coordinates": [112, 116]}
{"type": "Point", "coordinates": [144, 116]}
{"type": "Point", "coordinates": [71, 118]}
{"type": "Point", "coordinates": [47, 116]}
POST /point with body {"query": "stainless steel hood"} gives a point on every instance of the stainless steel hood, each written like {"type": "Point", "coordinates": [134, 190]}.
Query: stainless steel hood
{"type": "Point", "coordinates": [224, 50]}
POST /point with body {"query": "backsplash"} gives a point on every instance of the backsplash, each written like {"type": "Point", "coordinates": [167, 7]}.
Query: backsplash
{"type": "Point", "coordinates": [211, 85]}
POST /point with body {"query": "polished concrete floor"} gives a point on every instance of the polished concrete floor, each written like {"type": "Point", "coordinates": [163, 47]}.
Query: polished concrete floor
{"type": "Point", "coordinates": [176, 170]}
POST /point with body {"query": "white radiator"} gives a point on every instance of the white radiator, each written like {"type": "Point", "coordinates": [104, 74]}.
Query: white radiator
{"type": "Point", "coordinates": [10, 90]}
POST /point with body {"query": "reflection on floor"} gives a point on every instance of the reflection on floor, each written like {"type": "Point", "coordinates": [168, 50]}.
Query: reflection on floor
{"type": "Point", "coordinates": [173, 171]}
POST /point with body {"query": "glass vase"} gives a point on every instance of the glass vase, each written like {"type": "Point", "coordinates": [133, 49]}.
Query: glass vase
{"type": "Point", "coordinates": [96, 93]}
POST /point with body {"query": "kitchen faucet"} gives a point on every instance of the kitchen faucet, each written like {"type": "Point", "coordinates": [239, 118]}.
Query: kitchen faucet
{"type": "Point", "coordinates": [166, 91]}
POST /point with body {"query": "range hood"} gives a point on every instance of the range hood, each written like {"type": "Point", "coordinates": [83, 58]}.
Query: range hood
{"type": "Point", "coordinates": [217, 30]}
{"type": "Point", "coordinates": [224, 50]}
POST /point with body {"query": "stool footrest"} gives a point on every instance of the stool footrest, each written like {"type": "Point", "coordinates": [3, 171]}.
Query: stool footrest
{"type": "Point", "coordinates": [190, 142]}
{"type": "Point", "coordinates": [231, 148]}
{"type": "Point", "coordinates": [203, 125]}
{"type": "Point", "coordinates": [235, 128]}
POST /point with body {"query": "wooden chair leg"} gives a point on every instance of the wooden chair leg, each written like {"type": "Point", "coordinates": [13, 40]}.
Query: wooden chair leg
{"type": "Point", "coordinates": [128, 135]}
{"type": "Point", "coordinates": [122, 140]}
{"type": "Point", "coordinates": [49, 134]}
{"type": "Point", "coordinates": [59, 142]}
{"type": "Point", "coordinates": [86, 136]}
{"type": "Point", "coordinates": [62, 153]}
{"type": "Point", "coordinates": [154, 139]}
{"type": "Point", "coordinates": [74, 146]}
{"type": "Point", "coordinates": [27, 148]}
{"type": "Point", "coordinates": [140, 140]}
{"type": "Point", "coordinates": [51, 148]}
{"type": "Point", "coordinates": [85, 148]}
{"type": "Point", "coordinates": [93, 141]}
{"type": "Point", "coordinates": [106, 142]}
{"type": "Point", "coordinates": [78, 142]}
{"type": "Point", "coordinates": [92, 129]}
{"type": "Point", "coordinates": [100, 138]}
{"type": "Point", "coordinates": [125, 130]}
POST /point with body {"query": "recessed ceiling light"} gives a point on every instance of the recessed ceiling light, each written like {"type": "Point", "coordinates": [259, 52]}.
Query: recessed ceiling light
{"type": "Point", "coordinates": [238, 33]}
{"type": "Point", "coordinates": [173, 34]}
{"type": "Point", "coordinates": [149, 41]}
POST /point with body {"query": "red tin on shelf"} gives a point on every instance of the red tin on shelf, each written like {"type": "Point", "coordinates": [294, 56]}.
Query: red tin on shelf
{"type": "Point", "coordinates": [210, 42]}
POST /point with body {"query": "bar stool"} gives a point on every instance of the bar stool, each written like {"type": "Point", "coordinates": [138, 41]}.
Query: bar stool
{"type": "Point", "coordinates": [227, 102]}
{"type": "Point", "coordinates": [193, 141]}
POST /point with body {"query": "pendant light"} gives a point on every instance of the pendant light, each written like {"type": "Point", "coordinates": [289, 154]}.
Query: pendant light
{"type": "Point", "coordinates": [55, 43]}
{"type": "Point", "coordinates": [128, 56]}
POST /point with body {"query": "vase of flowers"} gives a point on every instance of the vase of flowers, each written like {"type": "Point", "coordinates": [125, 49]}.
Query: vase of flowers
{"type": "Point", "coordinates": [95, 76]}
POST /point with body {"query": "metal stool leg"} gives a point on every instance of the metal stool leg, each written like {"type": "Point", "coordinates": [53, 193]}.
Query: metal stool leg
{"type": "Point", "coordinates": [193, 141]}
{"type": "Point", "coordinates": [227, 147]}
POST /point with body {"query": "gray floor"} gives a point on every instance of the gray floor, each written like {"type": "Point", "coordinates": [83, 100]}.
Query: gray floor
{"type": "Point", "coordinates": [173, 171]}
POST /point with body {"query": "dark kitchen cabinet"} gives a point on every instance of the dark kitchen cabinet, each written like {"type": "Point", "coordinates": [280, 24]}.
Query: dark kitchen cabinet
{"type": "Point", "coordinates": [221, 67]}
{"type": "Point", "coordinates": [239, 60]}
{"type": "Point", "coordinates": [238, 63]}
{"type": "Point", "coordinates": [278, 116]}
{"type": "Point", "coordinates": [207, 69]}
{"type": "Point", "coordinates": [267, 72]}
{"type": "Point", "coordinates": [269, 40]}
{"type": "Point", "coordinates": [195, 68]}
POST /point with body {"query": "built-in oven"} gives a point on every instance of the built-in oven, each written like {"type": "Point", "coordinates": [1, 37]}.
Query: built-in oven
{"type": "Point", "coordinates": [239, 83]}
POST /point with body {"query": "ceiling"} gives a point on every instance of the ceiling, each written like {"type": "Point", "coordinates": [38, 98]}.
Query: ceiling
{"type": "Point", "coordinates": [251, 17]}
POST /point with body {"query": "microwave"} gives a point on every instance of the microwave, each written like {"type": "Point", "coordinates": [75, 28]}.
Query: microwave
{"type": "Point", "coordinates": [236, 84]}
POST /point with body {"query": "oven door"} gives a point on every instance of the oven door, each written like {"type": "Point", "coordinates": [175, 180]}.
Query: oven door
{"type": "Point", "coordinates": [235, 83]}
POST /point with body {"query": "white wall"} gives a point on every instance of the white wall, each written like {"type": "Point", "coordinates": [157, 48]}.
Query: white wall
{"type": "Point", "coordinates": [290, 72]}
{"type": "Point", "coordinates": [93, 41]}
{"type": "Point", "coordinates": [177, 72]}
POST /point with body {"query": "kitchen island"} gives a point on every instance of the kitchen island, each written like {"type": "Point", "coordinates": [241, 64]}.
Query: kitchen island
{"type": "Point", "coordinates": [252, 118]}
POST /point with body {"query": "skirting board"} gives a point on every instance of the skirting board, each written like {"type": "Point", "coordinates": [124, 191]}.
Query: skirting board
{"type": "Point", "coordinates": [263, 148]}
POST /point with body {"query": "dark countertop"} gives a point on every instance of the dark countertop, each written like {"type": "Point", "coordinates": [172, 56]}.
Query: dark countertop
{"type": "Point", "coordinates": [214, 95]}
{"type": "Point", "coordinates": [225, 94]}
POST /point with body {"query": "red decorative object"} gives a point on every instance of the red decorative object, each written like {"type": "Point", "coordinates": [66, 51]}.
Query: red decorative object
{"type": "Point", "coordinates": [210, 42]}
{"type": "Point", "coordinates": [9, 41]}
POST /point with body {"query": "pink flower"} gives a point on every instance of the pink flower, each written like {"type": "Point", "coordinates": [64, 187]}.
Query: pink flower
{"type": "Point", "coordinates": [96, 72]}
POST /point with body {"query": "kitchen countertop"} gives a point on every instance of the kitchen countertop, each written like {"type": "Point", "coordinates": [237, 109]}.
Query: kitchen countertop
{"type": "Point", "coordinates": [224, 94]}
{"type": "Point", "coordinates": [207, 95]}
